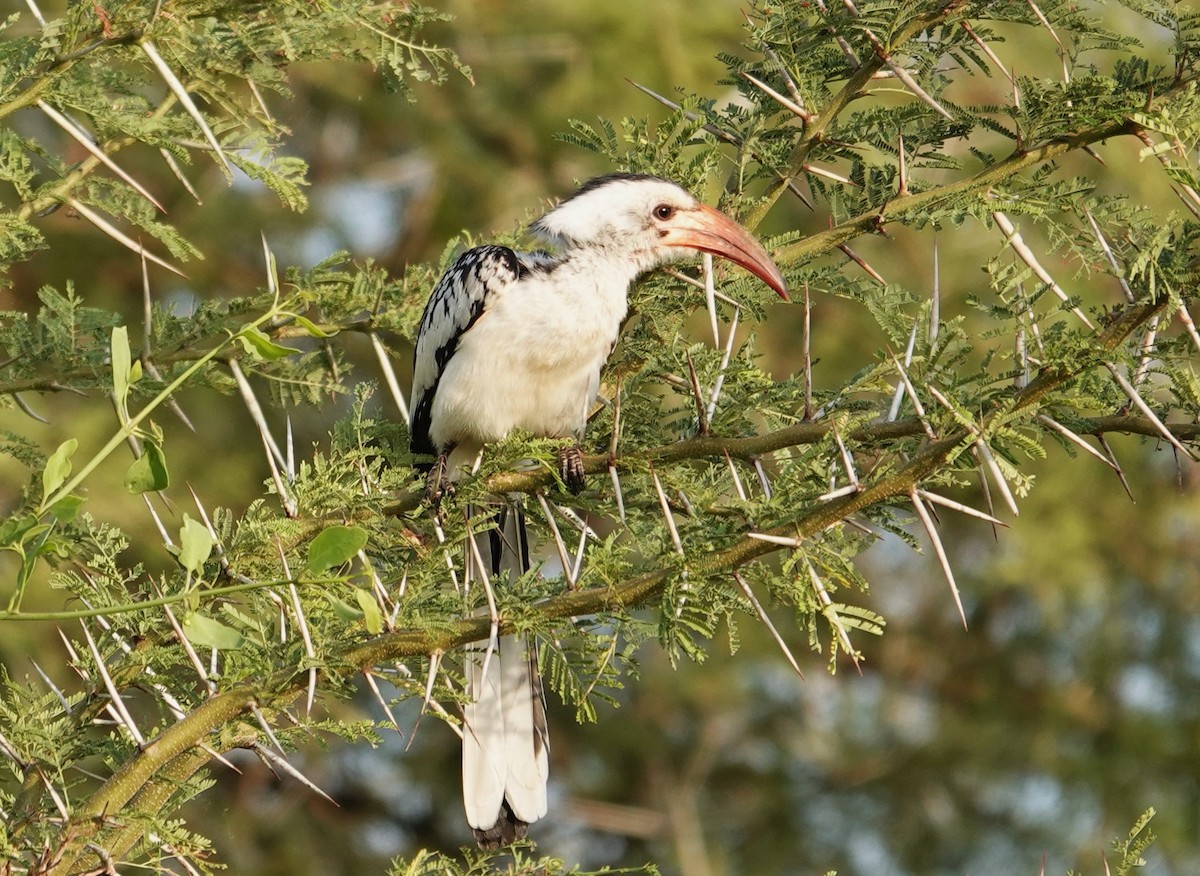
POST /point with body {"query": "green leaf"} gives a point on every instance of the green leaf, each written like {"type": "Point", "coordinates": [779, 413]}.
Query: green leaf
{"type": "Point", "coordinates": [334, 546]}
{"type": "Point", "coordinates": [344, 610]}
{"type": "Point", "coordinates": [58, 467]}
{"type": "Point", "coordinates": [67, 508]}
{"type": "Point", "coordinates": [122, 363]}
{"type": "Point", "coordinates": [208, 633]}
{"type": "Point", "coordinates": [149, 471]}
{"type": "Point", "coordinates": [195, 544]}
{"type": "Point", "coordinates": [261, 347]}
{"type": "Point", "coordinates": [311, 327]}
{"type": "Point", "coordinates": [372, 617]}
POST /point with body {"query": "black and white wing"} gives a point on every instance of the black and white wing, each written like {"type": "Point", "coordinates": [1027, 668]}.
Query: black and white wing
{"type": "Point", "coordinates": [461, 296]}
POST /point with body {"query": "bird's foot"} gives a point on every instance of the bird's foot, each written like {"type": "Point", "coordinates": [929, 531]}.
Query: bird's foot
{"type": "Point", "coordinates": [437, 484]}
{"type": "Point", "coordinates": [570, 468]}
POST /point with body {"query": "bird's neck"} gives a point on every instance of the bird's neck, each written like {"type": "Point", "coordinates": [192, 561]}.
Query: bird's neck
{"type": "Point", "coordinates": [607, 271]}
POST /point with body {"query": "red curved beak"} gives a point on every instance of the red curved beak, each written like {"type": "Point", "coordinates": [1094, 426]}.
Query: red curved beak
{"type": "Point", "coordinates": [709, 230]}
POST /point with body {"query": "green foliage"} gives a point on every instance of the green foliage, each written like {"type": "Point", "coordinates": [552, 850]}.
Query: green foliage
{"type": "Point", "coordinates": [725, 483]}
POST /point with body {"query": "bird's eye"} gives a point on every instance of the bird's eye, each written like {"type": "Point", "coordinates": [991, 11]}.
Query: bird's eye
{"type": "Point", "coordinates": [664, 211]}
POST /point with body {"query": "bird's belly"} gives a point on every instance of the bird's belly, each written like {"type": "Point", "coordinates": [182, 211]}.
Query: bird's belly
{"type": "Point", "coordinates": [543, 387]}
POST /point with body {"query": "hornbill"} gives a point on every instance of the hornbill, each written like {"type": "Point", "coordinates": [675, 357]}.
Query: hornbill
{"type": "Point", "coordinates": [516, 340]}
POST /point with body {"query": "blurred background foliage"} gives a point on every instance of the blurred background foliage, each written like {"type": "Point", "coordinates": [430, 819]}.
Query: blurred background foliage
{"type": "Point", "coordinates": [1070, 705]}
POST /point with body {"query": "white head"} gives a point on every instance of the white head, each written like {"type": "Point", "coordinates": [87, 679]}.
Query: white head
{"type": "Point", "coordinates": [651, 221]}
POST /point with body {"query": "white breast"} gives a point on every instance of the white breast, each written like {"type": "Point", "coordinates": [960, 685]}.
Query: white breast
{"type": "Point", "coordinates": [532, 360]}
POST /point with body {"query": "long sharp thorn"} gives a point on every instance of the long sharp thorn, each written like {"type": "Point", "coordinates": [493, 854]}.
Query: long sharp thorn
{"type": "Point", "coordinates": [987, 50]}
{"type": "Point", "coordinates": [766, 619]}
{"type": "Point", "coordinates": [1149, 414]}
{"type": "Point", "coordinates": [1110, 256]}
{"type": "Point", "coordinates": [829, 174]}
{"type": "Point", "coordinates": [290, 457]}
{"type": "Point", "coordinates": [782, 540]}
{"type": "Point", "coordinates": [691, 117]}
{"type": "Point", "coordinates": [389, 376]}
{"type": "Point", "coordinates": [559, 544]}
{"type": "Point", "coordinates": [250, 400]}
{"type": "Point", "coordinates": [666, 510]}
{"type": "Point", "coordinates": [936, 540]}
{"type": "Point", "coordinates": [7, 749]}
{"type": "Point", "coordinates": [53, 687]}
{"type": "Point", "coordinates": [847, 460]}
{"type": "Point", "coordinates": [620, 496]}
{"type": "Point", "coordinates": [762, 478]}
{"type": "Point", "coordinates": [808, 383]}
{"type": "Point", "coordinates": [1186, 319]}
{"type": "Point", "coordinates": [847, 490]}
{"type": "Point", "coordinates": [583, 538]}
{"type": "Point", "coordinates": [1014, 240]}
{"type": "Point", "coordinates": [114, 695]}
{"type": "Point", "coordinates": [935, 303]}
{"type": "Point", "coordinates": [698, 396]}
{"type": "Point", "coordinates": [266, 728]}
{"type": "Point", "coordinates": [185, 99]}
{"type": "Point", "coordinates": [54, 795]}
{"type": "Point", "coordinates": [1116, 466]}
{"type": "Point", "coordinates": [725, 357]}
{"type": "Point", "coordinates": [440, 534]}
{"type": "Point", "coordinates": [162, 530]}
{"type": "Point", "coordinates": [1075, 439]}
{"type": "Point", "coordinates": [787, 103]}
{"type": "Point", "coordinates": [737, 481]}
{"type": "Point", "coordinates": [898, 396]}
{"type": "Point", "coordinates": [901, 166]}
{"type": "Point", "coordinates": [793, 89]}
{"type": "Point", "coordinates": [958, 506]}
{"type": "Point", "coordinates": [179, 175]}
{"type": "Point", "coordinates": [85, 140]}
{"type": "Point", "coordinates": [493, 612]}
{"type": "Point", "coordinates": [302, 625]}
{"type": "Point", "coordinates": [387, 709]}
{"type": "Point", "coordinates": [37, 13]}
{"type": "Point", "coordinates": [828, 610]}
{"type": "Point", "coordinates": [283, 764]}
{"type": "Point", "coordinates": [795, 190]}
{"type": "Point", "coordinates": [710, 297]}
{"type": "Point", "coordinates": [1143, 366]}
{"type": "Point", "coordinates": [912, 394]}
{"type": "Point", "coordinates": [120, 237]}
{"type": "Point", "coordinates": [998, 476]}
{"type": "Point", "coordinates": [27, 410]}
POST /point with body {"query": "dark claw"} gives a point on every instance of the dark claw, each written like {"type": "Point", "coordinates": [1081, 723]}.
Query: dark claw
{"type": "Point", "coordinates": [570, 468]}
{"type": "Point", "coordinates": [437, 484]}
